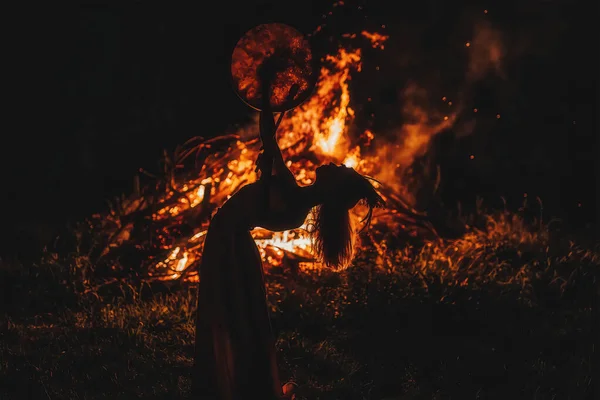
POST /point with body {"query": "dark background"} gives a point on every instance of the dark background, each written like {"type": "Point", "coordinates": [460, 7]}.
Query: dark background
{"type": "Point", "coordinates": [101, 90]}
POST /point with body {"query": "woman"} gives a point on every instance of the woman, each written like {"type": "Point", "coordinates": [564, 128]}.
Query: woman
{"type": "Point", "coordinates": [235, 347]}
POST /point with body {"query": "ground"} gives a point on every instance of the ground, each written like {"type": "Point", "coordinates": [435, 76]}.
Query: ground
{"type": "Point", "coordinates": [504, 312]}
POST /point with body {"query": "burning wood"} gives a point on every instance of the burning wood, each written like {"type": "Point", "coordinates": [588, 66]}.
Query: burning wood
{"type": "Point", "coordinates": [165, 223]}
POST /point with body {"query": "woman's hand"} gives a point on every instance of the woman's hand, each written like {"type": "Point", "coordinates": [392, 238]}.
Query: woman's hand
{"type": "Point", "coordinates": [276, 62]}
{"type": "Point", "coordinates": [262, 163]}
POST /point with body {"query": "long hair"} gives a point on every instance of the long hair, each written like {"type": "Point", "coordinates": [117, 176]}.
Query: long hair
{"type": "Point", "coordinates": [330, 225]}
{"type": "Point", "coordinates": [332, 235]}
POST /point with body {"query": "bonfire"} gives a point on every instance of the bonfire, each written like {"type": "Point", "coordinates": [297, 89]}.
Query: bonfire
{"type": "Point", "coordinates": [164, 222]}
{"type": "Point", "coordinates": [157, 232]}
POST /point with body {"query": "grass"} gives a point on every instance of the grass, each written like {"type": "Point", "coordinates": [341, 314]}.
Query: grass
{"type": "Point", "coordinates": [504, 311]}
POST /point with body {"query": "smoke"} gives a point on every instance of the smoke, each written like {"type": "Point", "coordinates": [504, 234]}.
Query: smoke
{"type": "Point", "coordinates": [425, 112]}
{"type": "Point", "coordinates": [486, 53]}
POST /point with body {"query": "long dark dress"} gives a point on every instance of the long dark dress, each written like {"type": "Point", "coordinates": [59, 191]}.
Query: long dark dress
{"type": "Point", "coordinates": [235, 346]}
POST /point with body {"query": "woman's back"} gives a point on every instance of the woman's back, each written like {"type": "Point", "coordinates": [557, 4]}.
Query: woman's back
{"type": "Point", "coordinates": [247, 208]}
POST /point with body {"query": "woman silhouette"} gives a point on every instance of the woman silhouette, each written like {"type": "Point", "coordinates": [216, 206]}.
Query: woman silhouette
{"type": "Point", "coordinates": [235, 347]}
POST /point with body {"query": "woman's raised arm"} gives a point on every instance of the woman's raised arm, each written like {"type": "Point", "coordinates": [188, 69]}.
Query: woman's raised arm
{"type": "Point", "coordinates": [271, 151]}
{"type": "Point", "coordinates": [268, 135]}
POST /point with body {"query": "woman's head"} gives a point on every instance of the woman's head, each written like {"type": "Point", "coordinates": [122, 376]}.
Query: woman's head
{"type": "Point", "coordinates": [341, 188]}
{"type": "Point", "coordinates": [345, 187]}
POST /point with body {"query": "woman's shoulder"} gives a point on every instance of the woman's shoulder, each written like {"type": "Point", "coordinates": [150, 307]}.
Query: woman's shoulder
{"type": "Point", "coordinates": [246, 191]}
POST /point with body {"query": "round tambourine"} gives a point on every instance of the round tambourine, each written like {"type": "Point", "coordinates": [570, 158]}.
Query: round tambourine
{"type": "Point", "coordinates": [280, 45]}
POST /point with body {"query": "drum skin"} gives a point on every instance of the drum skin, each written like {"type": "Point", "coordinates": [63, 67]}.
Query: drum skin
{"type": "Point", "coordinates": [294, 58]}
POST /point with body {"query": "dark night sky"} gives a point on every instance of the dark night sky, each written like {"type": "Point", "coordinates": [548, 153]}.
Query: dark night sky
{"type": "Point", "coordinates": [100, 91]}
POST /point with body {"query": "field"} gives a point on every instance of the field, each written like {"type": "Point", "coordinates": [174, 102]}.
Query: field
{"type": "Point", "coordinates": [502, 312]}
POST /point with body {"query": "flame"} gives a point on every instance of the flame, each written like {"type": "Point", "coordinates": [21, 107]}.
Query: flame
{"type": "Point", "coordinates": [180, 261]}
{"type": "Point", "coordinates": [326, 115]}
{"type": "Point", "coordinates": [352, 160]}
{"type": "Point", "coordinates": [377, 39]}
{"type": "Point", "coordinates": [291, 241]}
